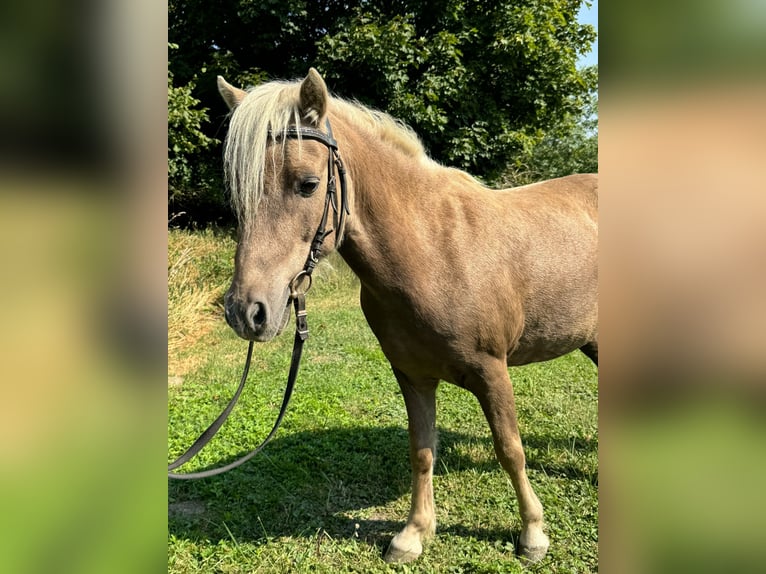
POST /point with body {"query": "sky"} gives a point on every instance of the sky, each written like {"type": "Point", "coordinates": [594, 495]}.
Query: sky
{"type": "Point", "coordinates": [589, 15]}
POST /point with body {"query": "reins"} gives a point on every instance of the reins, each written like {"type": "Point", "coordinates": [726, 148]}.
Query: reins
{"type": "Point", "coordinates": [299, 286]}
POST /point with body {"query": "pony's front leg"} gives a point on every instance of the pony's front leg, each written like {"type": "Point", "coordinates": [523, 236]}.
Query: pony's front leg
{"type": "Point", "coordinates": [420, 399]}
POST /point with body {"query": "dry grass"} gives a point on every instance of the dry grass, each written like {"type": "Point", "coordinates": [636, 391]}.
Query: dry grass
{"type": "Point", "coordinates": [199, 268]}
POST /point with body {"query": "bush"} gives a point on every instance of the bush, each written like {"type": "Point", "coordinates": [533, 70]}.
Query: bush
{"type": "Point", "coordinates": [569, 146]}
{"type": "Point", "coordinates": [194, 175]}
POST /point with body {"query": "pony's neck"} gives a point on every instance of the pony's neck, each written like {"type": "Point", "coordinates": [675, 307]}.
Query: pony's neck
{"type": "Point", "coordinates": [395, 199]}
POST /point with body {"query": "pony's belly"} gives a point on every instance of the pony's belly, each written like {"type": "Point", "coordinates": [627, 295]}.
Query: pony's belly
{"type": "Point", "coordinates": [543, 341]}
{"type": "Point", "coordinates": [421, 345]}
{"type": "Point", "coordinates": [420, 350]}
{"type": "Point", "coordinates": [544, 351]}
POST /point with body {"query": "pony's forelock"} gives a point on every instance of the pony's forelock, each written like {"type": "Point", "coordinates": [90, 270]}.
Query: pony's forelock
{"type": "Point", "coordinates": [268, 108]}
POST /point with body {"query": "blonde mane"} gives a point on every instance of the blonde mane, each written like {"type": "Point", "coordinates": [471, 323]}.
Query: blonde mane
{"type": "Point", "coordinates": [273, 107]}
{"type": "Point", "coordinates": [387, 128]}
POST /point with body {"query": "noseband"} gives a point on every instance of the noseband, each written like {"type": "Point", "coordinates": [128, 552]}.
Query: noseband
{"type": "Point", "coordinates": [299, 286]}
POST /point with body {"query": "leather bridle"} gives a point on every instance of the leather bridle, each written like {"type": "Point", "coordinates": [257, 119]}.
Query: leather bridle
{"type": "Point", "coordinates": [299, 286]}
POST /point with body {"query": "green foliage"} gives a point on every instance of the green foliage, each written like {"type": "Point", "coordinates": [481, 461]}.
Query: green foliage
{"type": "Point", "coordinates": [570, 146]}
{"type": "Point", "coordinates": [185, 138]}
{"type": "Point", "coordinates": [382, 55]}
{"type": "Point", "coordinates": [481, 82]}
{"type": "Point", "coordinates": [189, 171]}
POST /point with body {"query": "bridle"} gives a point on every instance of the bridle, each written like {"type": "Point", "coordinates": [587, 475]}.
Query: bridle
{"type": "Point", "coordinates": [340, 211]}
{"type": "Point", "coordinates": [299, 286]}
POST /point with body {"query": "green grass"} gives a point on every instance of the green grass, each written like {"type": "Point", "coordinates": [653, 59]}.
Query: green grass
{"type": "Point", "coordinates": [333, 487]}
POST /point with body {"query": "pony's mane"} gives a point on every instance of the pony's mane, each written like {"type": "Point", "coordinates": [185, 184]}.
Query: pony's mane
{"type": "Point", "coordinates": [387, 128]}
{"type": "Point", "coordinates": [273, 107]}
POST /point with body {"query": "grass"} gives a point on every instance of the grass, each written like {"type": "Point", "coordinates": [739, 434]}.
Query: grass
{"type": "Point", "coordinates": [332, 489]}
{"type": "Point", "coordinates": [198, 264]}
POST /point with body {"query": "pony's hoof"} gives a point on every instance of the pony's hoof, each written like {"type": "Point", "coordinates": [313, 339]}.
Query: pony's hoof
{"type": "Point", "coordinates": [533, 546]}
{"type": "Point", "coordinates": [400, 550]}
{"type": "Point", "coordinates": [534, 554]}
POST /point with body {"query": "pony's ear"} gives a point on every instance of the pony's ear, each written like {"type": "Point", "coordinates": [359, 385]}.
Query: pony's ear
{"type": "Point", "coordinates": [231, 95]}
{"type": "Point", "coordinates": [314, 96]}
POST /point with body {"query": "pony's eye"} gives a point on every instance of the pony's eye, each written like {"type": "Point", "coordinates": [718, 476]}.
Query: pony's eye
{"type": "Point", "coordinates": [309, 186]}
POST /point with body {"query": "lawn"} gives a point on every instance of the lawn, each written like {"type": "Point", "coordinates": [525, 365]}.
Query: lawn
{"type": "Point", "coordinates": [333, 487]}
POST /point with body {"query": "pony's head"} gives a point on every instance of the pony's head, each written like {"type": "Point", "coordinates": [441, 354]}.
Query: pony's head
{"type": "Point", "coordinates": [278, 188]}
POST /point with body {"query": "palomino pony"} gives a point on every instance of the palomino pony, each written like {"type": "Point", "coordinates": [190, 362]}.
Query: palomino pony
{"type": "Point", "coordinates": [457, 281]}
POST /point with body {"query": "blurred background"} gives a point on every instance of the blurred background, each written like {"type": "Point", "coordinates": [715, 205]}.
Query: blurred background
{"type": "Point", "coordinates": [682, 277]}
{"type": "Point", "coordinates": [83, 167]}
{"type": "Point", "coordinates": [83, 229]}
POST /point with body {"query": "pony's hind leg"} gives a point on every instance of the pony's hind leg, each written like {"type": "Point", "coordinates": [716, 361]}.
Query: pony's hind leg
{"type": "Point", "coordinates": [591, 351]}
{"type": "Point", "coordinates": [495, 393]}
{"type": "Point", "coordinates": [420, 400]}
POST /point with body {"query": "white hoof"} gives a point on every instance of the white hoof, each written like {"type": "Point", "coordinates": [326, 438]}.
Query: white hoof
{"type": "Point", "coordinates": [533, 546]}
{"type": "Point", "coordinates": [403, 549]}
{"type": "Point", "coordinates": [532, 555]}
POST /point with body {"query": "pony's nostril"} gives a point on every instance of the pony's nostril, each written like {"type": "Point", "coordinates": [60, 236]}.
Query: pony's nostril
{"type": "Point", "coordinates": [256, 316]}
{"type": "Point", "coordinates": [229, 310]}
{"type": "Point", "coordinates": [230, 315]}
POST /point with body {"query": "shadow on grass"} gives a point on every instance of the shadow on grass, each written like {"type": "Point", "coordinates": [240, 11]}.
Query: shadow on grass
{"type": "Point", "coordinates": [296, 485]}
{"type": "Point", "coordinates": [543, 452]}
{"type": "Point", "coordinates": [319, 481]}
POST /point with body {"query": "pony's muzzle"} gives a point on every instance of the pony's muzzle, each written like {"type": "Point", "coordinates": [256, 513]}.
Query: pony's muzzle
{"type": "Point", "coordinates": [249, 319]}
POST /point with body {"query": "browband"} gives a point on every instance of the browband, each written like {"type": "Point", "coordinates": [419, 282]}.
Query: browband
{"type": "Point", "coordinates": [298, 132]}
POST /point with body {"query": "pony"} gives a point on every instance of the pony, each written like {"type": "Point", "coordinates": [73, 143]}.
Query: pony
{"type": "Point", "coordinates": [458, 281]}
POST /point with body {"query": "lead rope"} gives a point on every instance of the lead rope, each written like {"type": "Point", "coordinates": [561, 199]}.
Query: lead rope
{"type": "Point", "coordinates": [298, 297]}
{"type": "Point", "coordinates": [301, 334]}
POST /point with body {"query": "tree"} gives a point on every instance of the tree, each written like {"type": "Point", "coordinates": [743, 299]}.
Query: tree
{"type": "Point", "coordinates": [189, 182]}
{"type": "Point", "coordinates": [570, 146]}
{"type": "Point", "coordinates": [481, 81]}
